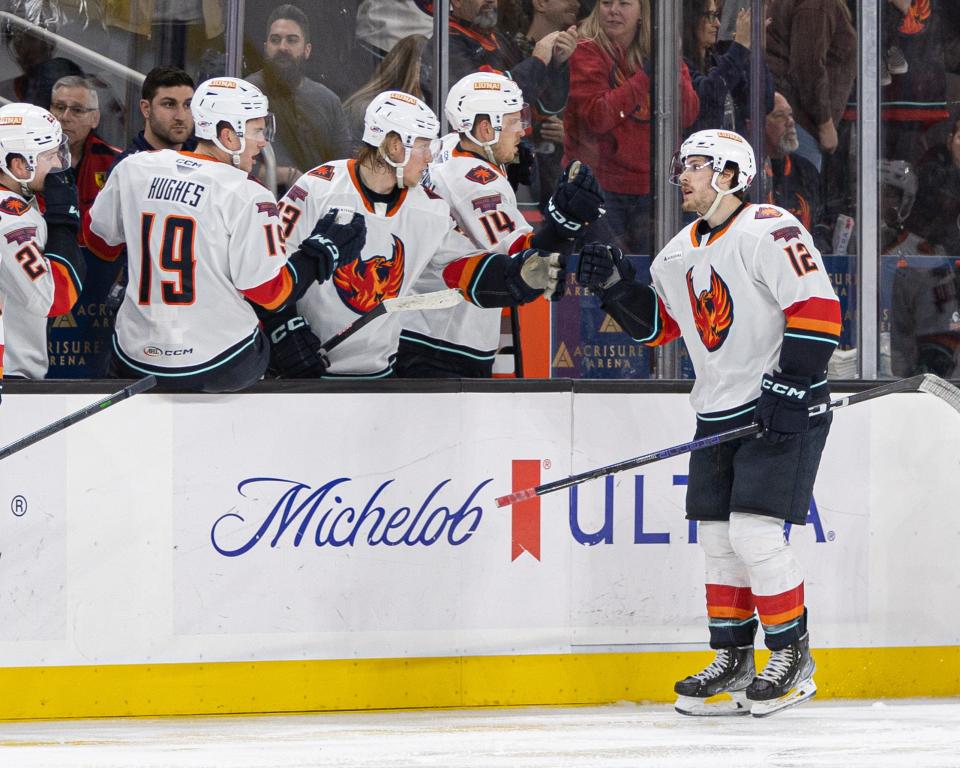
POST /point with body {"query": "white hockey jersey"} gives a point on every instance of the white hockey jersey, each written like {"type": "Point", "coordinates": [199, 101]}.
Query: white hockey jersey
{"type": "Point", "coordinates": [484, 206]}
{"type": "Point", "coordinates": [198, 233]}
{"type": "Point", "coordinates": [32, 287]}
{"type": "Point", "coordinates": [734, 293]}
{"type": "Point", "coordinates": [402, 241]}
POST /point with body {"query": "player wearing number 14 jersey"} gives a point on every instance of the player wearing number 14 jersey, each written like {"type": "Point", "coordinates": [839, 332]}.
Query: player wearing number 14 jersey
{"type": "Point", "coordinates": [202, 237]}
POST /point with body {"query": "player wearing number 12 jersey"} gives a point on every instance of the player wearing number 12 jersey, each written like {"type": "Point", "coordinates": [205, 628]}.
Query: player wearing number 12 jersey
{"type": "Point", "coordinates": [747, 289]}
{"type": "Point", "coordinates": [202, 237]}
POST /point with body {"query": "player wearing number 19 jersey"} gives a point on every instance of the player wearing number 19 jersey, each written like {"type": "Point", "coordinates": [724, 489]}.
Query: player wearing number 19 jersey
{"type": "Point", "coordinates": [201, 238]}
{"type": "Point", "coordinates": [747, 289]}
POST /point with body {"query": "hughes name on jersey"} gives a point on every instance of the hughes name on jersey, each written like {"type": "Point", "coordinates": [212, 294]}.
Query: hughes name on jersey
{"type": "Point", "coordinates": [39, 278]}
{"type": "Point", "coordinates": [484, 206]}
{"type": "Point", "coordinates": [748, 297]}
{"type": "Point", "coordinates": [403, 239]}
{"type": "Point", "coordinates": [201, 237]}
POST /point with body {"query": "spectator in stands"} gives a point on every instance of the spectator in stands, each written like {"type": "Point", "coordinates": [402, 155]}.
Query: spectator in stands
{"type": "Point", "coordinates": [381, 24]}
{"type": "Point", "coordinates": [74, 101]}
{"type": "Point", "coordinates": [399, 70]}
{"type": "Point", "coordinates": [546, 17]}
{"type": "Point", "coordinates": [475, 45]}
{"type": "Point", "coordinates": [311, 126]}
{"type": "Point", "coordinates": [165, 105]}
{"type": "Point", "coordinates": [722, 80]}
{"type": "Point", "coordinates": [812, 52]}
{"type": "Point", "coordinates": [790, 180]}
{"type": "Point", "coordinates": [915, 99]}
{"type": "Point", "coordinates": [607, 122]}
{"type": "Point", "coordinates": [936, 213]}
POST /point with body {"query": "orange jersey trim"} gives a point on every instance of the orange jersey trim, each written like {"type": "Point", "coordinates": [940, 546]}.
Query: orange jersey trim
{"type": "Point", "coordinates": [815, 314]}
{"type": "Point", "coordinates": [65, 293]}
{"type": "Point", "coordinates": [274, 292]}
{"type": "Point", "coordinates": [354, 170]}
{"type": "Point", "coordinates": [460, 273]}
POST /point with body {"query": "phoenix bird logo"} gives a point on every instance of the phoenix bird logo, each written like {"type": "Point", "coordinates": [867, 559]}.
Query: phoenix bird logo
{"type": "Point", "coordinates": [712, 310]}
{"type": "Point", "coordinates": [364, 283]}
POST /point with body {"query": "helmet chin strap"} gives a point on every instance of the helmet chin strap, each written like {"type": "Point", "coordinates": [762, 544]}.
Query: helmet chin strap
{"type": "Point", "coordinates": [398, 167]}
{"type": "Point", "coordinates": [234, 153]}
{"type": "Point", "coordinates": [721, 193]}
{"type": "Point", "coordinates": [487, 145]}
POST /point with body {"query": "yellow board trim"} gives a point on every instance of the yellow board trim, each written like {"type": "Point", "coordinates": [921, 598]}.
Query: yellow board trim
{"type": "Point", "coordinates": [33, 693]}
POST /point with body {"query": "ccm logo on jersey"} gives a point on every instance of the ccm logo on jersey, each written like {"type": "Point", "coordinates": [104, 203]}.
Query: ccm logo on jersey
{"type": "Point", "coordinates": [783, 389]}
{"type": "Point", "coordinates": [151, 351]}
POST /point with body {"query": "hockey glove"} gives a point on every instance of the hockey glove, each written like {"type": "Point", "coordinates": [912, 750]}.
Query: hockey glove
{"type": "Point", "coordinates": [60, 199]}
{"type": "Point", "coordinates": [332, 245]}
{"type": "Point", "coordinates": [575, 202]}
{"type": "Point", "coordinates": [295, 352]}
{"type": "Point", "coordinates": [603, 266]}
{"type": "Point", "coordinates": [783, 407]}
{"type": "Point", "coordinates": [534, 272]}
{"type": "Point", "coordinates": [521, 172]}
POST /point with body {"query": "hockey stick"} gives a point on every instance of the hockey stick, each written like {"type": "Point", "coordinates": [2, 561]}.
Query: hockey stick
{"type": "Point", "coordinates": [925, 382]}
{"type": "Point", "coordinates": [141, 385]}
{"type": "Point", "coordinates": [434, 300]}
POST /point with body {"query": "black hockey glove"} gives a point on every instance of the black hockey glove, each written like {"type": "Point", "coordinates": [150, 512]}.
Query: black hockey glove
{"type": "Point", "coordinates": [603, 266]}
{"type": "Point", "coordinates": [521, 172]}
{"type": "Point", "coordinates": [60, 198]}
{"type": "Point", "coordinates": [783, 407]}
{"type": "Point", "coordinates": [534, 272]}
{"type": "Point", "coordinates": [295, 352]}
{"type": "Point", "coordinates": [332, 244]}
{"type": "Point", "coordinates": [575, 202]}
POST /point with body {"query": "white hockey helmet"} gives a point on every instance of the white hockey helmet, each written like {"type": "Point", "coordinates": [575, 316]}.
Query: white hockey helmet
{"type": "Point", "coordinates": [899, 175]}
{"type": "Point", "coordinates": [29, 131]}
{"type": "Point", "coordinates": [403, 114]}
{"type": "Point", "coordinates": [721, 147]}
{"type": "Point", "coordinates": [233, 101]}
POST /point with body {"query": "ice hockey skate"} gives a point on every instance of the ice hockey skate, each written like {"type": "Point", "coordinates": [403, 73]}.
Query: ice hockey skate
{"type": "Point", "coordinates": [705, 693]}
{"type": "Point", "coordinates": [786, 680]}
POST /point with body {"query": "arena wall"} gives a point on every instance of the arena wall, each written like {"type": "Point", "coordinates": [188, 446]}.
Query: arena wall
{"type": "Point", "coordinates": [273, 552]}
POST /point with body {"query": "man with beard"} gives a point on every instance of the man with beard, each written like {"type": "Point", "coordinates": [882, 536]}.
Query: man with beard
{"type": "Point", "coordinates": [311, 125]}
{"type": "Point", "coordinates": [790, 180]}
{"type": "Point", "coordinates": [165, 105]}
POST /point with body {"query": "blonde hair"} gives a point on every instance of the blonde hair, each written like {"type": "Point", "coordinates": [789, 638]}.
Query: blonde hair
{"type": "Point", "coordinates": [398, 71]}
{"type": "Point", "coordinates": [639, 49]}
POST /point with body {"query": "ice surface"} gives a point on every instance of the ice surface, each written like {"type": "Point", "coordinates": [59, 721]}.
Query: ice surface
{"type": "Point", "coordinates": [903, 733]}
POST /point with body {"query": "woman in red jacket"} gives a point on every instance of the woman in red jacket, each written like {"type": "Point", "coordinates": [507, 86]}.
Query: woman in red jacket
{"type": "Point", "coordinates": [607, 119]}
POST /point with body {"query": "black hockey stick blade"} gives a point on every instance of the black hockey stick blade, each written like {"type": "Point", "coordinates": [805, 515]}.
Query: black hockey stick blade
{"type": "Point", "coordinates": [926, 382]}
{"type": "Point", "coordinates": [140, 385]}
{"type": "Point", "coordinates": [433, 300]}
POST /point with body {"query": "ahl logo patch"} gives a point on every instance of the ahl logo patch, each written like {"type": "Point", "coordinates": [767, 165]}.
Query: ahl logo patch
{"type": "Point", "coordinates": [324, 172]}
{"type": "Point", "coordinates": [481, 174]}
{"type": "Point", "coordinates": [14, 206]}
{"type": "Point", "coordinates": [22, 235]}
{"type": "Point", "coordinates": [786, 234]}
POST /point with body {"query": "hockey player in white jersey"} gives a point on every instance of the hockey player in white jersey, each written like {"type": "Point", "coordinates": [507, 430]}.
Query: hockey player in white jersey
{"type": "Point", "coordinates": [487, 112]}
{"type": "Point", "coordinates": [202, 238]}
{"type": "Point", "coordinates": [41, 267]}
{"type": "Point", "coordinates": [747, 289]}
{"type": "Point", "coordinates": [408, 229]}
